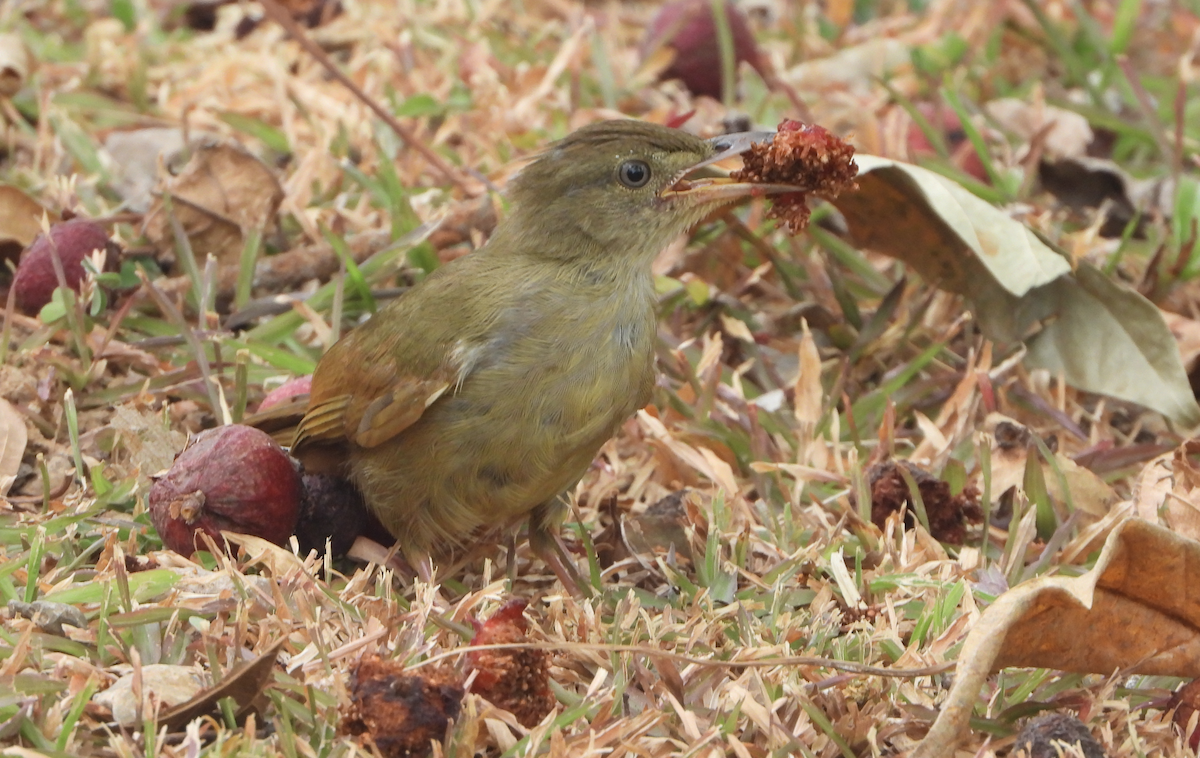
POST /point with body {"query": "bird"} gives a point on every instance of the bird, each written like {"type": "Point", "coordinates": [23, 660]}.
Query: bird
{"type": "Point", "coordinates": [480, 398]}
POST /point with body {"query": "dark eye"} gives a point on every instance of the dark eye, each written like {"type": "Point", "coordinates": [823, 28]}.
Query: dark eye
{"type": "Point", "coordinates": [633, 174]}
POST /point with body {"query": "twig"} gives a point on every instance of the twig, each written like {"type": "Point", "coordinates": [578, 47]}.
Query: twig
{"type": "Point", "coordinates": [280, 15]}
{"type": "Point", "coordinates": [788, 660]}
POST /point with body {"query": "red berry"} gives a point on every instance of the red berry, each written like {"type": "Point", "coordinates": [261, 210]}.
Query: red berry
{"type": "Point", "coordinates": [74, 240]}
{"type": "Point", "coordinates": [232, 478]}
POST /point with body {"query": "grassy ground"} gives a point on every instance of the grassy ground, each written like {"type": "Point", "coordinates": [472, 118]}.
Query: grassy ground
{"type": "Point", "coordinates": [753, 612]}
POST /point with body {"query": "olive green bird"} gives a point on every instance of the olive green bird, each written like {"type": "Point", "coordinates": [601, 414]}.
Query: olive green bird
{"type": "Point", "coordinates": [480, 397]}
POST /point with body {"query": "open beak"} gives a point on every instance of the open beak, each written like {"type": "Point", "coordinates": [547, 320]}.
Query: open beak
{"type": "Point", "coordinates": [712, 189]}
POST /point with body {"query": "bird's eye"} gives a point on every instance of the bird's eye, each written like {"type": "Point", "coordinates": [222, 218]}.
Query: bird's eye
{"type": "Point", "coordinates": [633, 174]}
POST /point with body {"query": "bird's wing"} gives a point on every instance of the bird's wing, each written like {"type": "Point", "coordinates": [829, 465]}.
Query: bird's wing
{"type": "Point", "coordinates": [380, 408]}
{"type": "Point", "coordinates": [378, 380]}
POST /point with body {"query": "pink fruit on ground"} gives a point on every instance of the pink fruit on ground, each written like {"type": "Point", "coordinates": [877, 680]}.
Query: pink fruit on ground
{"type": "Point", "coordinates": [74, 240]}
{"type": "Point", "coordinates": [232, 478]}
{"type": "Point", "coordinates": [687, 27]}
{"type": "Point", "coordinates": [301, 385]}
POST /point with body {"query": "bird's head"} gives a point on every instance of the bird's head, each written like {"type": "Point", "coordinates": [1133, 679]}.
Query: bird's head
{"type": "Point", "coordinates": [624, 187]}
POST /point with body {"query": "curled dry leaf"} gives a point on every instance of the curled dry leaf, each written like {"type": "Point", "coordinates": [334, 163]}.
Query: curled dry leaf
{"type": "Point", "coordinates": [1099, 335]}
{"type": "Point", "coordinates": [15, 64]}
{"type": "Point", "coordinates": [244, 685]}
{"type": "Point", "coordinates": [221, 194]}
{"type": "Point", "coordinates": [1126, 613]}
{"type": "Point", "coordinates": [953, 239]}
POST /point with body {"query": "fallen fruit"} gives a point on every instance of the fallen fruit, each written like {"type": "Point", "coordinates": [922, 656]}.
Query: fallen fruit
{"type": "Point", "coordinates": [517, 680]}
{"type": "Point", "coordinates": [1057, 734]}
{"type": "Point", "coordinates": [232, 478]}
{"type": "Point", "coordinates": [285, 392]}
{"type": "Point", "coordinates": [402, 712]}
{"type": "Point", "coordinates": [687, 28]}
{"type": "Point", "coordinates": [73, 240]}
{"type": "Point", "coordinates": [332, 510]}
{"type": "Point", "coordinates": [807, 156]}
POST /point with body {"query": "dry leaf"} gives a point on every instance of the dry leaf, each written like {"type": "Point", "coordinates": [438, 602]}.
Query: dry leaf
{"type": "Point", "coordinates": [135, 157]}
{"type": "Point", "coordinates": [221, 194]}
{"type": "Point", "coordinates": [20, 221]}
{"type": "Point", "coordinates": [245, 684]}
{"type": "Point", "coordinates": [1132, 611]}
{"type": "Point", "coordinates": [13, 437]}
{"type": "Point", "coordinates": [15, 64]}
{"type": "Point", "coordinates": [1099, 335]}
{"type": "Point", "coordinates": [954, 240]}
{"type": "Point", "coordinates": [1166, 491]}
{"type": "Point", "coordinates": [1012, 444]}
{"type": "Point", "coordinates": [1067, 134]}
{"type": "Point", "coordinates": [167, 684]}
{"type": "Point", "coordinates": [1109, 339]}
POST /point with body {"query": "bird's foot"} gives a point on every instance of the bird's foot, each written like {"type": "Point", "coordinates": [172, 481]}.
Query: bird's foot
{"type": "Point", "coordinates": [548, 546]}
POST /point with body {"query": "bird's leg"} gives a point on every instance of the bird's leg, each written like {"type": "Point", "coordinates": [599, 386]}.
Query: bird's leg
{"type": "Point", "coordinates": [512, 558]}
{"type": "Point", "coordinates": [422, 564]}
{"type": "Point", "coordinates": [547, 545]}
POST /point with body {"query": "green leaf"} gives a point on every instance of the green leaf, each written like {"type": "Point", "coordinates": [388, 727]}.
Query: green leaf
{"type": "Point", "coordinates": [143, 586]}
{"type": "Point", "coordinates": [420, 105]}
{"type": "Point", "coordinates": [261, 130]}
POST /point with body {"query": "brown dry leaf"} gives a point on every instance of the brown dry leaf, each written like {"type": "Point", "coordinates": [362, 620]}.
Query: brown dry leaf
{"type": "Point", "coordinates": [20, 221]}
{"type": "Point", "coordinates": [1132, 611]}
{"type": "Point", "coordinates": [13, 437]}
{"type": "Point", "coordinates": [1166, 491]}
{"type": "Point", "coordinates": [15, 64]}
{"type": "Point", "coordinates": [1012, 444]}
{"type": "Point", "coordinates": [244, 685]}
{"type": "Point", "coordinates": [222, 193]}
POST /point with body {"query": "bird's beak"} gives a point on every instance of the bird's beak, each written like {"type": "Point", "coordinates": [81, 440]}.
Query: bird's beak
{"type": "Point", "coordinates": [712, 189]}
